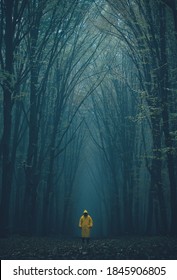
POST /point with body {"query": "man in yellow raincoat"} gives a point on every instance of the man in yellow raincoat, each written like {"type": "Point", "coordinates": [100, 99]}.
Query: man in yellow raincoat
{"type": "Point", "coordinates": [85, 223]}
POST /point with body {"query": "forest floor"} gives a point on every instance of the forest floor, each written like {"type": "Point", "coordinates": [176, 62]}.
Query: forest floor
{"type": "Point", "coordinates": [122, 248]}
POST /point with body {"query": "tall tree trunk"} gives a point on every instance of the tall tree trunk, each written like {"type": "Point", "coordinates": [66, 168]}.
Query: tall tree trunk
{"type": "Point", "coordinates": [172, 5]}
{"type": "Point", "coordinates": [47, 194]}
{"type": "Point", "coordinates": [7, 114]}
{"type": "Point", "coordinates": [156, 195]}
{"type": "Point", "coordinates": [166, 120]}
{"type": "Point", "coordinates": [31, 172]}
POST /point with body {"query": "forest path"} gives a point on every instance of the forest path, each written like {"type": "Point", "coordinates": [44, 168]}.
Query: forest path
{"type": "Point", "coordinates": [129, 247]}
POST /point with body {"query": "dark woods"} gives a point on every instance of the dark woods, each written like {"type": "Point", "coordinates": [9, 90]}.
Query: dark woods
{"type": "Point", "coordinates": [93, 84]}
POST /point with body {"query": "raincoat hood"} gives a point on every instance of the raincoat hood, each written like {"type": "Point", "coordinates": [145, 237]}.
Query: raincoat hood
{"type": "Point", "coordinates": [85, 212]}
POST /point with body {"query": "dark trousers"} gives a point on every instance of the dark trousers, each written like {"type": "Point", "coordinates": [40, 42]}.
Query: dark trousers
{"type": "Point", "coordinates": [85, 240]}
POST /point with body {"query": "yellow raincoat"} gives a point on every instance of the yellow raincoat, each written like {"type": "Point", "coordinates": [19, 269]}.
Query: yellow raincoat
{"type": "Point", "coordinates": [86, 224]}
